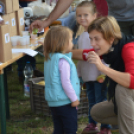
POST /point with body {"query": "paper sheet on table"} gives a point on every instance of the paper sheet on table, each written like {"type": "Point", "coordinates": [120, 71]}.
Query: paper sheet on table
{"type": "Point", "coordinates": [26, 51]}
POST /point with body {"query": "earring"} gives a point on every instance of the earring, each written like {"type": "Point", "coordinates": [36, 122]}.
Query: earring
{"type": "Point", "coordinates": [111, 49]}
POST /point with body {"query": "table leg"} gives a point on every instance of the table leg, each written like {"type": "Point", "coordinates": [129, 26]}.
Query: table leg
{"type": "Point", "coordinates": [2, 104]}
{"type": "Point", "coordinates": [6, 94]}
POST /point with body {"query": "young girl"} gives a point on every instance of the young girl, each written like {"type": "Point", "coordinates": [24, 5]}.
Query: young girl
{"type": "Point", "coordinates": [62, 88]}
{"type": "Point", "coordinates": [85, 14]}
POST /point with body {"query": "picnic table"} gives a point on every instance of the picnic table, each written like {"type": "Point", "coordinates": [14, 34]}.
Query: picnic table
{"type": "Point", "coordinates": [4, 104]}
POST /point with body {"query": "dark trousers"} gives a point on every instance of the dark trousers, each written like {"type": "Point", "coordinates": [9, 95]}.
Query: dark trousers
{"type": "Point", "coordinates": [64, 119]}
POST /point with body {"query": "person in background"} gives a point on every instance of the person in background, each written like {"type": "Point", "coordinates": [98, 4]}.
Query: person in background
{"type": "Point", "coordinates": [102, 7]}
{"type": "Point", "coordinates": [122, 10]}
{"type": "Point", "coordinates": [116, 49]}
{"type": "Point", "coordinates": [85, 13]}
{"type": "Point", "coordinates": [62, 87]}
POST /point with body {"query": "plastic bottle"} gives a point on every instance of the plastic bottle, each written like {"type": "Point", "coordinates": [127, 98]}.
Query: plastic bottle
{"type": "Point", "coordinates": [28, 73]}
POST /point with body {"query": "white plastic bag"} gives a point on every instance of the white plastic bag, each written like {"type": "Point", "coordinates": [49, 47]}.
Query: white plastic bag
{"type": "Point", "coordinates": [42, 10]}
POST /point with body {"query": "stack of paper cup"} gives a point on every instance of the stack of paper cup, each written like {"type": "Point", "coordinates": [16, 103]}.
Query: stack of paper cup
{"type": "Point", "coordinates": [15, 40]}
{"type": "Point", "coordinates": [23, 41]}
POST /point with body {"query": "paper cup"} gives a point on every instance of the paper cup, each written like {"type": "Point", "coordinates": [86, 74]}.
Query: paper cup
{"type": "Point", "coordinates": [33, 36]}
{"type": "Point", "coordinates": [25, 33]}
{"type": "Point", "coordinates": [23, 41]}
{"type": "Point", "coordinates": [15, 40]}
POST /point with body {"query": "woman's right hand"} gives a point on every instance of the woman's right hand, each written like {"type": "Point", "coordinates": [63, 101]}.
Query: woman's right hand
{"type": "Point", "coordinates": [95, 59]}
{"type": "Point", "coordinates": [75, 103]}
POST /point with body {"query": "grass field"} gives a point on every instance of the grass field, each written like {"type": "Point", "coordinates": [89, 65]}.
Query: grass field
{"type": "Point", "coordinates": [22, 120]}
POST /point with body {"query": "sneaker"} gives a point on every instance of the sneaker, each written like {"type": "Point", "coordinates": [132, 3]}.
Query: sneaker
{"type": "Point", "coordinates": [105, 131]}
{"type": "Point", "coordinates": [90, 129]}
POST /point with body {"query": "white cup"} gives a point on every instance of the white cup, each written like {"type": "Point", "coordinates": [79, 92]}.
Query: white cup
{"type": "Point", "coordinates": [25, 33]}
{"type": "Point", "coordinates": [27, 38]}
{"type": "Point", "coordinates": [23, 41]}
{"type": "Point", "coordinates": [14, 40]}
{"type": "Point", "coordinates": [33, 36]}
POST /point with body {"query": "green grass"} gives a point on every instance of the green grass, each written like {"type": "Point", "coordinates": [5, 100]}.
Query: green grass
{"type": "Point", "coordinates": [23, 120]}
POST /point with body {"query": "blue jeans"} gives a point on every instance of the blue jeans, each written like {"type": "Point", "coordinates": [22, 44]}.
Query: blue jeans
{"type": "Point", "coordinates": [95, 95]}
{"type": "Point", "coordinates": [64, 119]}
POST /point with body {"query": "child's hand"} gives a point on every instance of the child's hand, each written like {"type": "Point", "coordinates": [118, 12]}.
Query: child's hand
{"type": "Point", "coordinates": [75, 103]}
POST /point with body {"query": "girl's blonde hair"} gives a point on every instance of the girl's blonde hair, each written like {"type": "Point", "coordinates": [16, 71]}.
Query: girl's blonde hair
{"type": "Point", "coordinates": [56, 40]}
{"type": "Point", "coordinates": [108, 26]}
{"type": "Point", "coordinates": [89, 4]}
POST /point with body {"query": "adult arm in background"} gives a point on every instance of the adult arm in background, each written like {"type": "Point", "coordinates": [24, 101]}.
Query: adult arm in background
{"type": "Point", "coordinates": [59, 9]}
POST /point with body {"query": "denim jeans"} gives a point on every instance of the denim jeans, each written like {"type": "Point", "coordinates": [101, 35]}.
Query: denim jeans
{"type": "Point", "coordinates": [95, 95]}
{"type": "Point", "coordinates": [64, 119]}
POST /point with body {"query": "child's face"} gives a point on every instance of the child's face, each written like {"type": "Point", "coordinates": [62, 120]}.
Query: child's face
{"type": "Point", "coordinates": [84, 16]}
{"type": "Point", "coordinates": [70, 45]}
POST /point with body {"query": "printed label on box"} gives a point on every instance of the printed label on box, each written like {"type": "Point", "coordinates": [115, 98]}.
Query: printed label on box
{"type": "Point", "coordinates": [21, 21]}
{"type": "Point", "coordinates": [13, 22]}
{"type": "Point", "coordinates": [7, 38]}
{"type": "Point", "coordinates": [7, 22]}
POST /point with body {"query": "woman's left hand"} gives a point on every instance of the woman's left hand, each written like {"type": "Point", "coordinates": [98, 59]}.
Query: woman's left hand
{"type": "Point", "coordinates": [95, 59]}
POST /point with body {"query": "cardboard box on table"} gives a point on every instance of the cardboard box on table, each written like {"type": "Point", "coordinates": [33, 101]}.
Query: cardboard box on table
{"type": "Point", "coordinates": [15, 5]}
{"type": "Point", "coordinates": [8, 6]}
{"type": "Point", "coordinates": [13, 24]}
{"type": "Point", "coordinates": [5, 44]}
{"type": "Point", "coordinates": [6, 19]}
{"type": "Point", "coordinates": [20, 21]}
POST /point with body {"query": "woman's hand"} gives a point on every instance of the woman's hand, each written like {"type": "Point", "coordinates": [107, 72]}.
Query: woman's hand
{"type": "Point", "coordinates": [95, 59]}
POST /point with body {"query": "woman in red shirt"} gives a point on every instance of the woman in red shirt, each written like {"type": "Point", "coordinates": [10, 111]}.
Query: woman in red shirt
{"type": "Point", "coordinates": [117, 50]}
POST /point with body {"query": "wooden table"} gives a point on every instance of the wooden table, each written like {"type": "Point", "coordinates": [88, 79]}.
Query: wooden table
{"type": "Point", "coordinates": [4, 105]}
